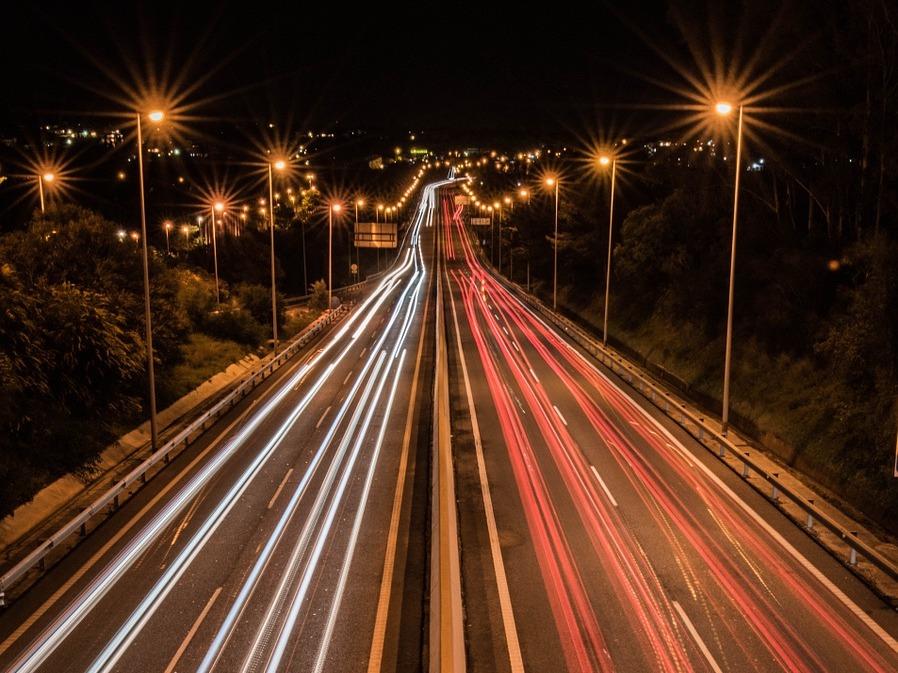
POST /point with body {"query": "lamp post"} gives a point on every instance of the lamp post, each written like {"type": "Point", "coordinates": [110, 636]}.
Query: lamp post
{"type": "Point", "coordinates": [278, 165]}
{"type": "Point", "coordinates": [359, 203]}
{"type": "Point", "coordinates": [156, 116]}
{"type": "Point", "coordinates": [186, 231]}
{"type": "Point", "coordinates": [217, 207]}
{"type": "Point", "coordinates": [553, 182]}
{"type": "Point", "coordinates": [498, 206]}
{"type": "Point", "coordinates": [605, 160]}
{"type": "Point", "coordinates": [167, 225]}
{"type": "Point", "coordinates": [334, 208]}
{"type": "Point", "coordinates": [41, 179]}
{"type": "Point", "coordinates": [724, 109]}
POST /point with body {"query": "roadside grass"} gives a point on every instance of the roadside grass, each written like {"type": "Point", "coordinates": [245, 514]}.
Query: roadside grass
{"type": "Point", "coordinates": [203, 357]}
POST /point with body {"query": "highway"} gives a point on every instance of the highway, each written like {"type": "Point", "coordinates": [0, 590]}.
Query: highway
{"type": "Point", "coordinates": [291, 538]}
{"type": "Point", "coordinates": [595, 536]}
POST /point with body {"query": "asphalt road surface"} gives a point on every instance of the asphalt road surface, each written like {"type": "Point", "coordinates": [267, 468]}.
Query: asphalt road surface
{"type": "Point", "coordinates": [595, 536]}
{"type": "Point", "coordinates": [292, 538]}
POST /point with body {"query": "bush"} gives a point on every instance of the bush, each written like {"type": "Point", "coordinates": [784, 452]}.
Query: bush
{"type": "Point", "coordinates": [235, 323]}
{"type": "Point", "coordinates": [318, 300]}
{"type": "Point", "coordinates": [257, 300]}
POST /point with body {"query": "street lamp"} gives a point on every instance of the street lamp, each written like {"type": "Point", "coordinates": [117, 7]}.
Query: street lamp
{"type": "Point", "coordinates": [41, 179]}
{"type": "Point", "coordinates": [167, 225]}
{"type": "Point", "coordinates": [359, 203]}
{"type": "Point", "coordinates": [498, 208]}
{"type": "Point", "coordinates": [155, 116]}
{"type": "Point", "coordinates": [334, 208]}
{"type": "Point", "coordinates": [186, 231]}
{"type": "Point", "coordinates": [605, 161]}
{"type": "Point", "coordinates": [724, 109]}
{"type": "Point", "coordinates": [217, 207]}
{"type": "Point", "coordinates": [552, 182]}
{"type": "Point", "coordinates": [279, 165]}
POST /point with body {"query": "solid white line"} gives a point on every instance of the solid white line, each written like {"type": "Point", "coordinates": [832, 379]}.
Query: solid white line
{"type": "Point", "coordinates": [190, 634]}
{"type": "Point", "coordinates": [321, 420]}
{"type": "Point", "coordinates": [516, 661]}
{"type": "Point", "coordinates": [375, 654]}
{"type": "Point", "coordinates": [698, 639]}
{"type": "Point", "coordinates": [602, 484]}
{"type": "Point", "coordinates": [280, 488]}
{"type": "Point", "coordinates": [558, 411]}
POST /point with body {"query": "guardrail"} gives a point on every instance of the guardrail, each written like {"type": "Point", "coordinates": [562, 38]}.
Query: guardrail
{"type": "Point", "coordinates": [696, 425]}
{"type": "Point", "coordinates": [447, 638]}
{"type": "Point", "coordinates": [290, 302]}
{"type": "Point", "coordinates": [110, 500]}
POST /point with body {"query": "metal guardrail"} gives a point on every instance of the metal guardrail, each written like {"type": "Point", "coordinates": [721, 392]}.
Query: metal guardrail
{"type": "Point", "coordinates": [697, 426]}
{"type": "Point", "coordinates": [290, 302]}
{"type": "Point", "coordinates": [109, 501]}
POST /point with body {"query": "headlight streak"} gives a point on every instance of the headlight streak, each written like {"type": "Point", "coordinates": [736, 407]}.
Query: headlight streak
{"type": "Point", "coordinates": [50, 638]}
{"type": "Point", "coordinates": [360, 512]}
{"type": "Point", "coordinates": [275, 607]}
{"type": "Point", "coordinates": [286, 629]}
{"type": "Point", "coordinates": [265, 629]}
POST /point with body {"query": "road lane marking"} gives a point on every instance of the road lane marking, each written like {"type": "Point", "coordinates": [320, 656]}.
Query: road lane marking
{"type": "Point", "coordinates": [375, 656]}
{"type": "Point", "coordinates": [602, 484]}
{"type": "Point", "coordinates": [280, 488]}
{"type": "Point", "coordinates": [347, 378]}
{"type": "Point", "coordinates": [558, 411]}
{"type": "Point", "coordinates": [533, 374]}
{"type": "Point", "coordinates": [78, 574]}
{"type": "Point", "coordinates": [192, 632]}
{"type": "Point", "coordinates": [515, 660]}
{"type": "Point", "coordinates": [696, 637]}
{"type": "Point", "coordinates": [796, 555]}
{"type": "Point", "coordinates": [321, 420]}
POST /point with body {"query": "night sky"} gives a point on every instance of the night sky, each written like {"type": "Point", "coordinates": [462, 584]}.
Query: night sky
{"type": "Point", "coordinates": [437, 67]}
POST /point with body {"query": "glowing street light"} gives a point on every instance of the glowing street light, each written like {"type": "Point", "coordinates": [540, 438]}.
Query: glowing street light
{"type": "Point", "coordinates": [724, 109]}
{"type": "Point", "coordinates": [334, 208]}
{"type": "Point", "coordinates": [167, 225]}
{"type": "Point", "coordinates": [552, 182]}
{"type": "Point", "coordinates": [155, 116]}
{"type": "Point", "coordinates": [41, 179]}
{"type": "Point", "coordinates": [605, 161]}
{"type": "Point", "coordinates": [279, 165]}
{"type": "Point", "coordinates": [186, 231]}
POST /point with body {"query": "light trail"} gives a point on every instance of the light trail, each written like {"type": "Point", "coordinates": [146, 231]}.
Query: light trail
{"type": "Point", "coordinates": [736, 590]}
{"type": "Point", "coordinates": [407, 302]}
{"type": "Point", "coordinates": [63, 626]}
